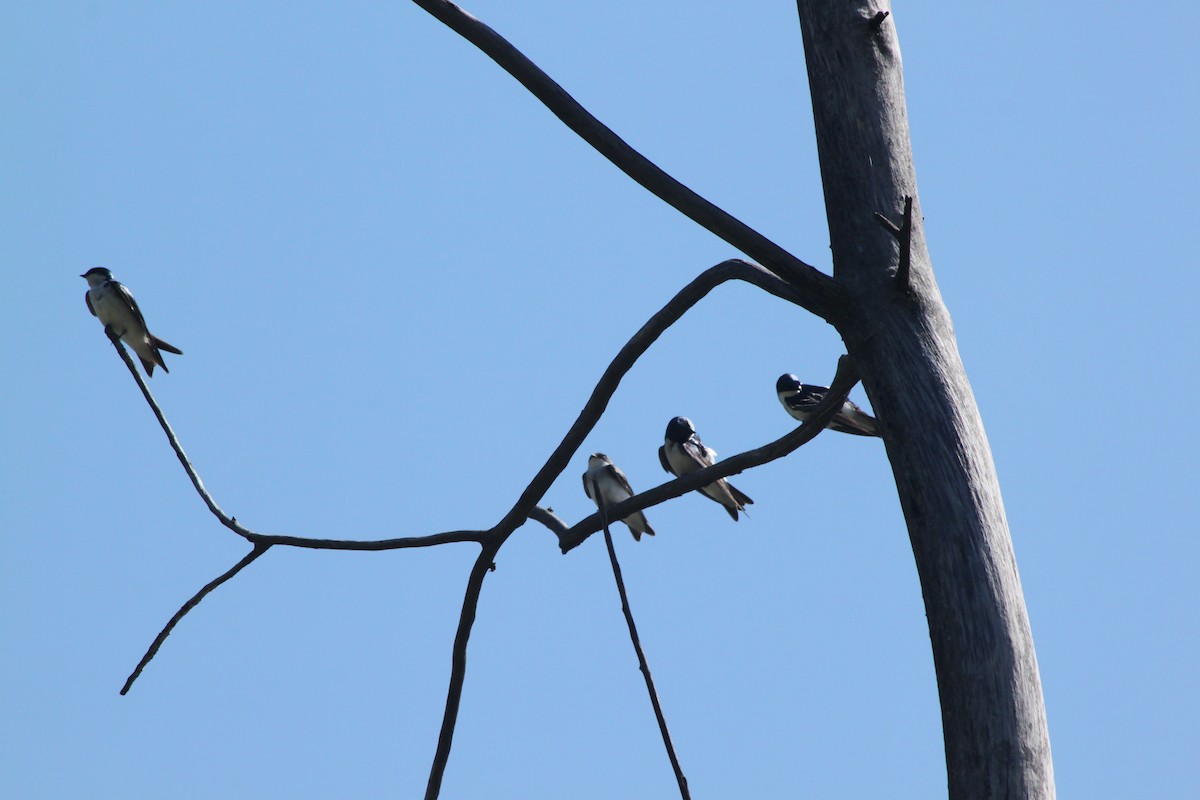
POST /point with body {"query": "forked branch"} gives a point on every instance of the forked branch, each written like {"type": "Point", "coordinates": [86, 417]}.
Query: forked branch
{"type": "Point", "coordinates": [792, 279]}
{"type": "Point", "coordinates": [494, 538]}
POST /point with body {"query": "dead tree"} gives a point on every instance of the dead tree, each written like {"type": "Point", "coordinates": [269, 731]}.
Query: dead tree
{"type": "Point", "coordinates": [899, 332]}
{"type": "Point", "coordinates": [883, 301]}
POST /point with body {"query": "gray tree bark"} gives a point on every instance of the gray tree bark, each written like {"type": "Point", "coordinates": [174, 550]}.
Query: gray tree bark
{"type": "Point", "coordinates": [902, 339]}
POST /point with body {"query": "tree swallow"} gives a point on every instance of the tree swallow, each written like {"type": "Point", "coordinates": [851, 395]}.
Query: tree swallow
{"type": "Point", "coordinates": [800, 399]}
{"type": "Point", "coordinates": [683, 452]}
{"type": "Point", "coordinates": [114, 306]}
{"type": "Point", "coordinates": [614, 487]}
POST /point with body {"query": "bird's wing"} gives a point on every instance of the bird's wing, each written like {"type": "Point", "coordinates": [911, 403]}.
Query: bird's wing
{"type": "Point", "coordinates": [87, 297]}
{"type": "Point", "coordinates": [127, 297]}
{"type": "Point", "coordinates": [807, 398]}
{"type": "Point", "coordinates": [662, 459]}
{"type": "Point", "coordinates": [587, 485]}
{"type": "Point", "coordinates": [855, 420]}
{"type": "Point", "coordinates": [619, 477]}
{"type": "Point", "coordinates": [696, 450]}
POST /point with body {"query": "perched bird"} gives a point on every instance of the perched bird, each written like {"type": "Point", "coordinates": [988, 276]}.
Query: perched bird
{"type": "Point", "coordinates": [114, 306]}
{"type": "Point", "coordinates": [800, 399]}
{"type": "Point", "coordinates": [683, 452]}
{"type": "Point", "coordinates": [614, 487]}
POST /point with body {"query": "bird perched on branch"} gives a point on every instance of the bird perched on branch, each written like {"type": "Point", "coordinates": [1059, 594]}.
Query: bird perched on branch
{"type": "Point", "coordinates": [111, 303]}
{"type": "Point", "coordinates": [801, 399]}
{"type": "Point", "coordinates": [683, 452]}
{"type": "Point", "coordinates": [614, 487]}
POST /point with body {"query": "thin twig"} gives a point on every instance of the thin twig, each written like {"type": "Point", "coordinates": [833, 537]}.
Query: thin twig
{"type": "Point", "coordinates": [643, 665]}
{"type": "Point", "coordinates": [249, 558]}
{"type": "Point", "coordinates": [843, 382]}
{"type": "Point", "coordinates": [821, 295]}
{"type": "Point", "coordinates": [458, 666]}
{"type": "Point", "coordinates": [448, 537]}
{"type": "Point", "coordinates": [226, 520]}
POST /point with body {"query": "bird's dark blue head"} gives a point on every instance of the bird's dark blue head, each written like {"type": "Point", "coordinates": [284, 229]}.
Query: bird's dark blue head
{"type": "Point", "coordinates": [680, 430]}
{"type": "Point", "coordinates": [98, 272]}
{"type": "Point", "coordinates": [787, 383]}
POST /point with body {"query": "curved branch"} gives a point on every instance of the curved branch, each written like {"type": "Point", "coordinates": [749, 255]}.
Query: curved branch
{"type": "Point", "coordinates": [732, 269]}
{"type": "Point", "coordinates": [843, 382]}
{"type": "Point", "coordinates": [226, 520]}
{"type": "Point", "coordinates": [821, 295]}
{"type": "Point", "coordinates": [258, 550]}
{"type": "Point", "coordinates": [705, 282]}
{"type": "Point", "coordinates": [458, 665]}
{"type": "Point", "coordinates": [547, 517]}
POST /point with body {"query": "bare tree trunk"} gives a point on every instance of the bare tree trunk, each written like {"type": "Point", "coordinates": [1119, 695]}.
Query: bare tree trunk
{"type": "Point", "coordinates": [900, 334]}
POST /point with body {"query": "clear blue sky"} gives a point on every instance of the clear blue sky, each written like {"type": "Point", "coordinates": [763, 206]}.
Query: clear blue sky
{"type": "Point", "coordinates": [396, 278]}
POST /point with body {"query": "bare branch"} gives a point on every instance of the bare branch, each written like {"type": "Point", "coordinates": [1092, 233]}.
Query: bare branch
{"type": "Point", "coordinates": [843, 382]}
{"type": "Point", "coordinates": [458, 667]}
{"type": "Point", "coordinates": [643, 665]}
{"type": "Point", "coordinates": [449, 537]}
{"type": "Point", "coordinates": [547, 517]}
{"type": "Point", "coordinates": [525, 508]}
{"type": "Point", "coordinates": [258, 550]}
{"type": "Point", "coordinates": [820, 294]}
{"type": "Point", "coordinates": [733, 269]}
{"type": "Point", "coordinates": [226, 520]}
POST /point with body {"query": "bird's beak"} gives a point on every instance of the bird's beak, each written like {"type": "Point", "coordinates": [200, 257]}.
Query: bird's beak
{"type": "Point", "coordinates": [83, 276]}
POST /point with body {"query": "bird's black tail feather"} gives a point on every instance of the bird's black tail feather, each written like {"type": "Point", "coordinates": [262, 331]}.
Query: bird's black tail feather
{"type": "Point", "coordinates": [161, 345]}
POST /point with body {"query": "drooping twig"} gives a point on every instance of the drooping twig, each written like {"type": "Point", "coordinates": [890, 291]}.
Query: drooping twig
{"type": "Point", "coordinates": [903, 235]}
{"type": "Point", "coordinates": [820, 294]}
{"type": "Point", "coordinates": [458, 665]}
{"type": "Point", "coordinates": [226, 520]}
{"type": "Point", "coordinates": [843, 382]}
{"type": "Point", "coordinates": [258, 550]}
{"type": "Point", "coordinates": [643, 665]}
